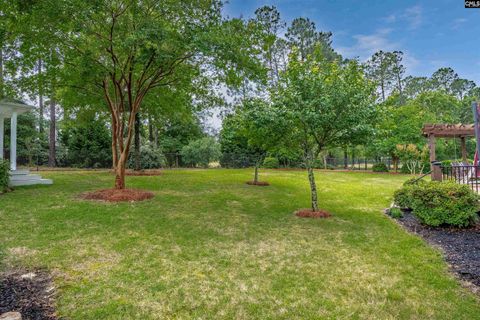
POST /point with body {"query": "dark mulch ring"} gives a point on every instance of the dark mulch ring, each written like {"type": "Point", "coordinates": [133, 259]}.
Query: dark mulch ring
{"type": "Point", "coordinates": [143, 173]}
{"type": "Point", "coordinates": [117, 195]}
{"type": "Point", "coordinates": [461, 246]}
{"type": "Point", "coordinates": [31, 293]}
{"type": "Point", "coordinates": [309, 213]}
{"type": "Point", "coordinates": [258, 183]}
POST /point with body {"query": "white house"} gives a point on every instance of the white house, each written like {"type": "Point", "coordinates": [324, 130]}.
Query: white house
{"type": "Point", "coordinates": [11, 109]}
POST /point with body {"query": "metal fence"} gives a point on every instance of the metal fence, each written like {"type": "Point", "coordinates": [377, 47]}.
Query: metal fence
{"type": "Point", "coordinates": [462, 174]}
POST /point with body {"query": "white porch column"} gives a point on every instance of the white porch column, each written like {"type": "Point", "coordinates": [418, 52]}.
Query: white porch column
{"type": "Point", "coordinates": [1, 135]}
{"type": "Point", "coordinates": [13, 142]}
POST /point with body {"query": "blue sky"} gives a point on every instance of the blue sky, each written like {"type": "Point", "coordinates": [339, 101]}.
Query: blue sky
{"type": "Point", "coordinates": [432, 34]}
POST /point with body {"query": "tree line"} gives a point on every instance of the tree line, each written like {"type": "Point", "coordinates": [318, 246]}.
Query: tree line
{"type": "Point", "coordinates": [119, 83]}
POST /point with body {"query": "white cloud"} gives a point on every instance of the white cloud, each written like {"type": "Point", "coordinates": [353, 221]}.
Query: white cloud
{"type": "Point", "coordinates": [458, 23]}
{"type": "Point", "coordinates": [367, 44]}
{"type": "Point", "coordinates": [414, 16]}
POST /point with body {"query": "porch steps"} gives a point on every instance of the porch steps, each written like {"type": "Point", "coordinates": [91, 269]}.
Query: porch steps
{"type": "Point", "coordinates": [24, 178]}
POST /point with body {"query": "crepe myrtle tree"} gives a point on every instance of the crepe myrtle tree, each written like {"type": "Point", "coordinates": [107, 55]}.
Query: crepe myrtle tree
{"type": "Point", "coordinates": [122, 51]}
{"type": "Point", "coordinates": [320, 104]}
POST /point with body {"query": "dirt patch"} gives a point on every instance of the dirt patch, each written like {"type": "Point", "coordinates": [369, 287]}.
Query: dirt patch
{"type": "Point", "coordinates": [309, 213]}
{"type": "Point", "coordinates": [258, 183]}
{"type": "Point", "coordinates": [142, 173]}
{"type": "Point", "coordinates": [460, 246]}
{"type": "Point", "coordinates": [116, 195]}
{"type": "Point", "coordinates": [29, 292]}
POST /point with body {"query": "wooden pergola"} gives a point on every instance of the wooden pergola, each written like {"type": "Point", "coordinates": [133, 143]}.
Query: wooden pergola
{"type": "Point", "coordinates": [433, 131]}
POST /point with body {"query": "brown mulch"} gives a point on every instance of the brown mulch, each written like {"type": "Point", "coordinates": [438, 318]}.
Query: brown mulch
{"type": "Point", "coordinates": [258, 183]}
{"type": "Point", "coordinates": [143, 173]}
{"type": "Point", "coordinates": [117, 195]}
{"type": "Point", "coordinates": [309, 213]}
{"type": "Point", "coordinates": [29, 292]}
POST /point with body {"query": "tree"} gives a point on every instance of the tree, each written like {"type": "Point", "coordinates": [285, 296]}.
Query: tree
{"type": "Point", "coordinates": [128, 49]}
{"type": "Point", "coordinates": [443, 79]}
{"type": "Point", "coordinates": [386, 69]}
{"type": "Point", "coordinates": [416, 85]}
{"type": "Point", "coordinates": [319, 103]}
{"type": "Point", "coordinates": [253, 117]}
{"type": "Point", "coordinates": [303, 35]}
{"type": "Point", "coordinates": [201, 152]}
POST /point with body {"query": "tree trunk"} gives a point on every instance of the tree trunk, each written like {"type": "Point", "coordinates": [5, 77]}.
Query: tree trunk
{"type": "Point", "coordinates": [395, 163]}
{"type": "Point", "coordinates": [345, 158]}
{"type": "Point", "coordinates": [2, 81]}
{"type": "Point", "coordinates": [120, 173]}
{"type": "Point", "coordinates": [51, 151]}
{"type": "Point", "coordinates": [40, 98]}
{"type": "Point", "coordinates": [150, 130]}
{"type": "Point", "coordinates": [255, 177]}
{"type": "Point", "coordinates": [313, 187]}
{"type": "Point", "coordinates": [137, 142]}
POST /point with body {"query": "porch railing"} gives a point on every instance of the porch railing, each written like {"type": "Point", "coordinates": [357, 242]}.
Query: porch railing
{"type": "Point", "coordinates": [463, 174]}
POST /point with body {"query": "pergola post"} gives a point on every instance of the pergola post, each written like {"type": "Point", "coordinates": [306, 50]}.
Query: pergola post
{"type": "Point", "coordinates": [13, 142]}
{"type": "Point", "coordinates": [436, 170]}
{"type": "Point", "coordinates": [2, 128]}
{"type": "Point", "coordinates": [463, 144]}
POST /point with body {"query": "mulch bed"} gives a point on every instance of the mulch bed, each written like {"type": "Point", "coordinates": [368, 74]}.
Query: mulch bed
{"type": "Point", "coordinates": [118, 195]}
{"type": "Point", "coordinates": [309, 213]}
{"type": "Point", "coordinates": [29, 292]}
{"type": "Point", "coordinates": [258, 183]}
{"type": "Point", "coordinates": [461, 246]}
{"type": "Point", "coordinates": [143, 173]}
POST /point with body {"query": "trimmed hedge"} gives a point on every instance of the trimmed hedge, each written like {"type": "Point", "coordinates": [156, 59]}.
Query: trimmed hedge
{"type": "Point", "coordinates": [271, 163]}
{"type": "Point", "coordinates": [4, 175]}
{"type": "Point", "coordinates": [380, 167]}
{"type": "Point", "coordinates": [439, 203]}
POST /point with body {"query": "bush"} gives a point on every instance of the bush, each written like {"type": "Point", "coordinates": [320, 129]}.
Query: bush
{"type": "Point", "coordinates": [395, 213]}
{"type": "Point", "coordinates": [440, 203]}
{"type": "Point", "coordinates": [380, 167]}
{"type": "Point", "coordinates": [403, 197]}
{"type": "Point", "coordinates": [271, 163]}
{"type": "Point", "coordinates": [4, 175]}
{"type": "Point", "coordinates": [201, 152]}
{"type": "Point", "coordinates": [150, 157]}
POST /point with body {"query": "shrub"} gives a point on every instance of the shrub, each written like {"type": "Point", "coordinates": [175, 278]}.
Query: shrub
{"type": "Point", "coordinates": [403, 197]}
{"type": "Point", "coordinates": [439, 203]}
{"type": "Point", "coordinates": [395, 213]}
{"type": "Point", "coordinates": [4, 175]}
{"type": "Point", "coordinates": [201, 152]}
{"type": "Point", "coordinates": [380, 167]}
{"type": "Point", "coordinates": [271, 163]}
{"type": "Point", "coordinates": [151, 157]}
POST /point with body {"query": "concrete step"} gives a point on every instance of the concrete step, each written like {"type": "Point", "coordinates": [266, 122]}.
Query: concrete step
{"type": "Point", "coordinates": [25, 177]}
{"type": "Point", "coordinates": [29, 182]}
{"type": "Point", "coordinates": [21, 172]}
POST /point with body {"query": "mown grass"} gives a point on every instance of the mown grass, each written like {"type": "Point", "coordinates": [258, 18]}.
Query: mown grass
{"type": "Point", "coordinates": [208, 246]}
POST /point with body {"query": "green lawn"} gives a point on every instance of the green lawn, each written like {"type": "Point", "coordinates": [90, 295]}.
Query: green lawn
{"type": "Point", "coordinates": [208, 246]}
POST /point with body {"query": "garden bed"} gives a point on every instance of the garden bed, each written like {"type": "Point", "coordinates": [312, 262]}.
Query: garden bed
{"type": "Point", "coordinates": [258, 183]}
{"type": "Point", "coordinates": [460, 246]}
{"type": "Point", "coordinates": [118, 195]}
{"type": "Point", "coordinates": [29, 293]}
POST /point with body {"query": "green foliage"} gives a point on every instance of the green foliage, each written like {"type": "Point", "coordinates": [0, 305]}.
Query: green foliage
{"type": "Point", "coordinates": [271, 163]}
{"type": "Point", "coordinates": [403, 196]}
{"type": "Point", "coordinates": [4, 175]}
{"type": "Point", "coordinates": [86, 144]}
{"type": "Point", "coordinates": [201, 152]}
{"type": "Point", "coordinates": [395, 213]}
{"type": "Point", "coordinates": [151, 157]}
{"type": "Point", "coordinates": [380, 167]}
{"type": "Point", "coordinates": [440, 203]}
